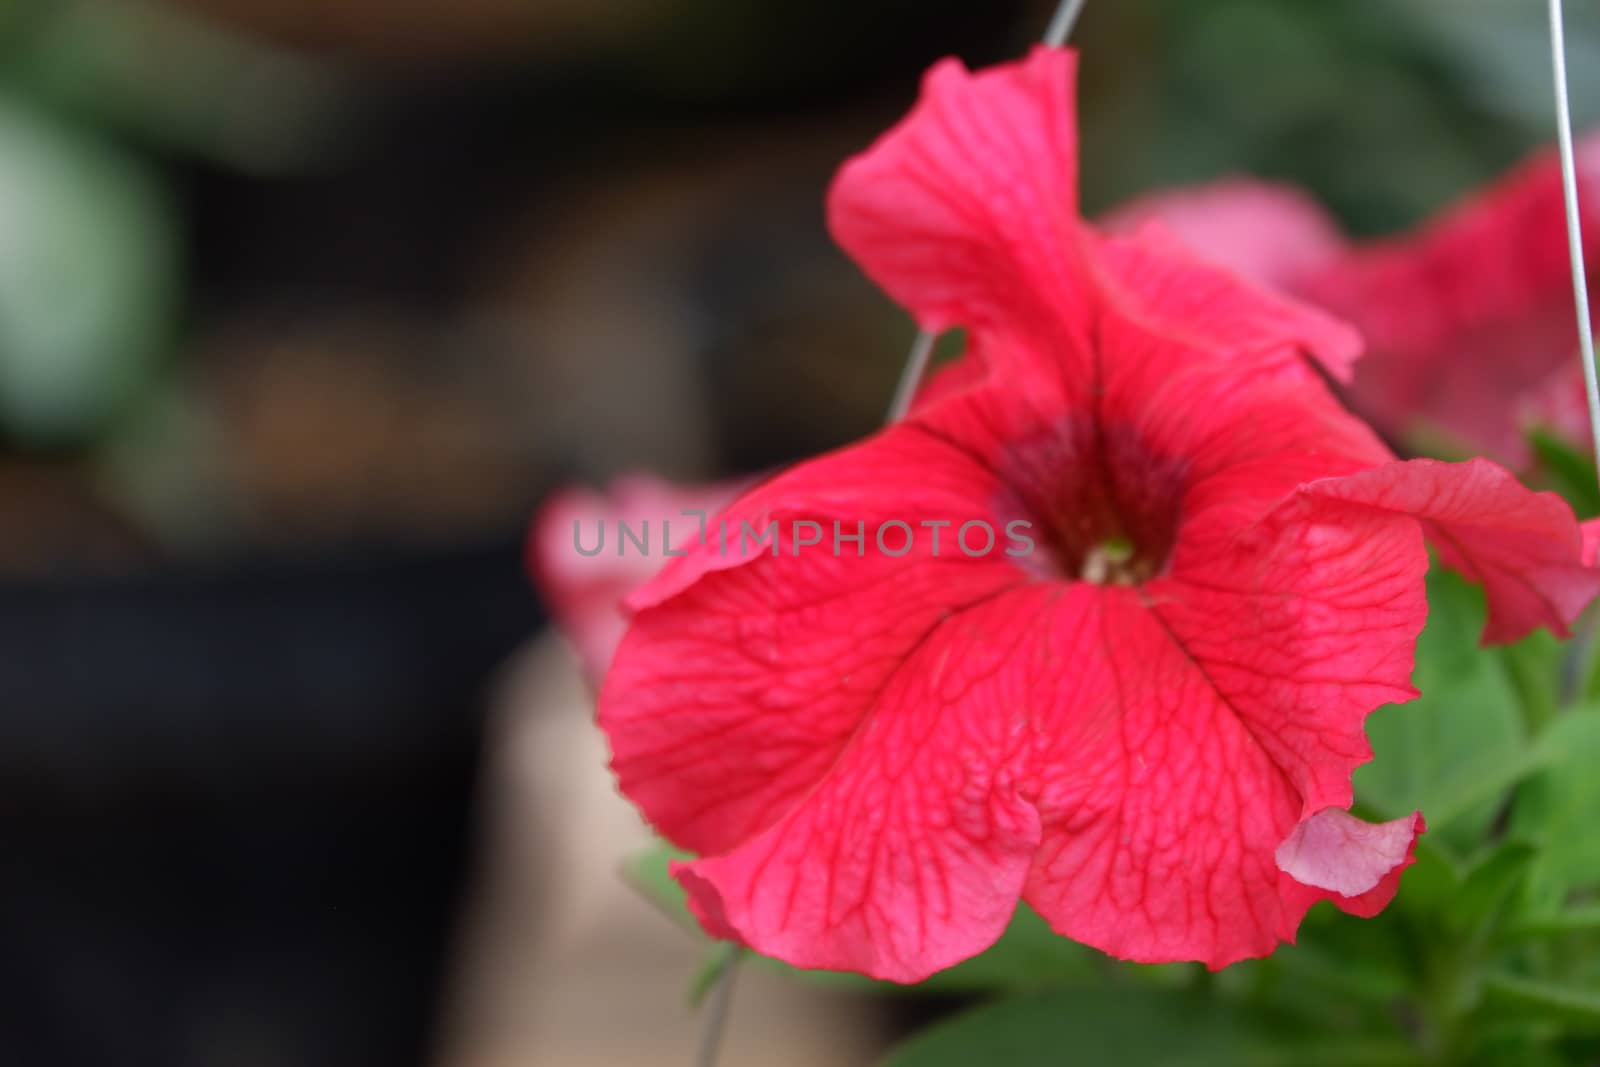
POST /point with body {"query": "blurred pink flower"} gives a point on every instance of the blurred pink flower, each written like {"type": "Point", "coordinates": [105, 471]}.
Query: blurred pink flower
{"type": "Point", "coordinates": [1468, 318]}
{"type": "Point", "coordinates": [1265, 232]}
{"type": "Point", "coordinates": [585, 591]}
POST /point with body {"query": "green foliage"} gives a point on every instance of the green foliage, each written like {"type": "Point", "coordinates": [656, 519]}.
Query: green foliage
{"type": "Point", "coordinates": [1569, 470]}
{"type": "Point", "coordinates": [88, 278]}
{"type": "Point", "coordinates": [1453, 751]}
{"type": "Point", "coordinates": [1558, 810]}
{"type": "Point", "coordinates": [1111, 1027]}
{"type": "Point", "coordinates": [1382, 80]}
{"type": "Point", "coordinates": [1524, 998]}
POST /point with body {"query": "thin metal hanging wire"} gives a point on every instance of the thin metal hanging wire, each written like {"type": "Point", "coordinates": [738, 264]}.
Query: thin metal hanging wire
{"type": "Point", "coordinates": [916, 366]}
{"type": "Point", "coordinates": [1569, 185]}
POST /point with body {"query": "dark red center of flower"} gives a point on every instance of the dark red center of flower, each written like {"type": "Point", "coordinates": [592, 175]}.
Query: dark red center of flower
{"type": "Point", "coordinates": [1102, 505]}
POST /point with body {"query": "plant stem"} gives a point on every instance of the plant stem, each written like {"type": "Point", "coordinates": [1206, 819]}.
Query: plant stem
{"type": "Point", "coordinates": [716, 1024]}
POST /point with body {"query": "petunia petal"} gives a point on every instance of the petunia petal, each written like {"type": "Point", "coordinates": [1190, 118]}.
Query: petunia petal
{"type": "Point", "coordinates": [1165, 802]}
{"type": "Point", "coordinates": [898, 475]}
{"type": "Point", "coordinates": [1557, 404]}
{"type": "Point", "coordinates": [1152, 277]}
{"type": "Point", "coordinates": [745, 671]}
{"type": "Point", "coordinates": [951, 379]}
{"type": "Point", "coordinates": [1268, 233]}
{"type": "Point", "coordinates": [1224, 706]}
{"type": "Point", "coordinates": [911, 854]}
{"type": "Point", "coordinates": [1160, 810]}
{"type": "Point", "coordinates": [1303, 623]}
{"type": "Point", "coordinates": [966, 211]}
{"type": "Point", "coordinates": [1181, 400]}
{"type": "Point", "coordinates": [1335, 851]}
{"type": "Point", "coordinates": [1053, 741]}
{"type": "Point", "coordinates": [1524, 548]}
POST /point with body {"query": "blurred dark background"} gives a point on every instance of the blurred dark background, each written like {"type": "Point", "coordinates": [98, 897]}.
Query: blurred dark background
{"type": "Point", "coordinates": [304, 305]}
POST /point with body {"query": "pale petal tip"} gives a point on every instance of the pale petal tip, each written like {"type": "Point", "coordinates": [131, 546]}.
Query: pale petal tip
{"type": "Point", "coordinates": [1335, 851]}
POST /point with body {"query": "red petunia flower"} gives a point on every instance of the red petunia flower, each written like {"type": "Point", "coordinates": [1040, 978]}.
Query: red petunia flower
{"type": "Point", "coordinates": [1144, 724]}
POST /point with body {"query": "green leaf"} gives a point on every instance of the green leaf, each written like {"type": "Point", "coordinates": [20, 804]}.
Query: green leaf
{"type": "Point", "coordinates": [712, 968]}
{"type": "Point", "coordinates": [1458, 747]}
{"type": "Point", "coordinates": [1029, 955]}
{"type": "Point", "coordinates": [1571, 470]}
{"type": "Point", "coordinates": [949, 346]}
{"type": "Point", "coordinates": [1344, 959]}
{"type": "Point", "coordinates": [1585, 920]}
{"type": "Point", "coordinates": [1513, 996]}
{"type": "Point", "coordinates": [160, 72]}
{"type": "Point", "coordinates": [88, 278]}
{"type": "Point", "coordinates": [1435, 877]}
{"type": "Point", "coordinates": [1534, 666]}
{"type": "Point", "coordinates": [1473, 793]}
{"type": "Point", "coordinates": [1521, 1042]}
{"type": "Point", "coordinates": [1585, 664]}
{"type": "Point", "coordinates": [649, 873]}
{"type": "Point", "coordinates": [1489, 888]}
{"type": "Point", "coordinates": [1122, 1026]}
{"type": "Point", "coordinates": [1556, 810]}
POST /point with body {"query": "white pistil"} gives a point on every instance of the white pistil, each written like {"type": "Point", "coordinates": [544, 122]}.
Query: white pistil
{"type": "Point", "coordinates": [1109, 561]}
{"type": "Point", "coordinates": [1096, 567]}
